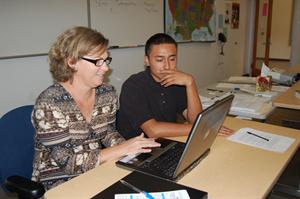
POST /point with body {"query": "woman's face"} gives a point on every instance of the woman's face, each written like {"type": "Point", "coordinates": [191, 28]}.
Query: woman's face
{"type": "Point", "coordinates": [88, 73]}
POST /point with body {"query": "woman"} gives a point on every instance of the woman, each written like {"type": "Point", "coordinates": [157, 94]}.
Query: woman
{"type": "Point", "coordinates": [75, 117]}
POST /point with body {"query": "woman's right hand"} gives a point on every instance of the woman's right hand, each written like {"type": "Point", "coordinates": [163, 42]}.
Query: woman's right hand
{"type": "Point", "coordinates": [135, 145]}
{"type": "Point", "coordinates": [138, 144]}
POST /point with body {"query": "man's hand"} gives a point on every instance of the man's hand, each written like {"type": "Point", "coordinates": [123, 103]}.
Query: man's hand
{"type": "Point", "coordinates": [225, 131]}
{"type": "Point", "coordinates": [175, 77]}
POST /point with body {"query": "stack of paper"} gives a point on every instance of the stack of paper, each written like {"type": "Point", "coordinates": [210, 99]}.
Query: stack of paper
{"type": "Point", "coordinates": [242, 80]}
{"type": "Point", "coordinates": [247, 103]}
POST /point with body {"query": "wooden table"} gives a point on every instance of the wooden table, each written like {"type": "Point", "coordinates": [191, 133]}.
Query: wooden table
{"type": "Point", "coordinates": [230, 171]}
{"type": "Point", "coordinates": [287, 99]}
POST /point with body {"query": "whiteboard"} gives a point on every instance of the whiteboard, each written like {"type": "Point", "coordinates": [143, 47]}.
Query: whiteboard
{"type": "Point", "coordinates": [127, 23]}
{"type": "Point", "coordinates": [28, 27]}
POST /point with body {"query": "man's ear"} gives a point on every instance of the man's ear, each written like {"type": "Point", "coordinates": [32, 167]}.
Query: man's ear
{"type": "Point", "coordinates": [146, 60]}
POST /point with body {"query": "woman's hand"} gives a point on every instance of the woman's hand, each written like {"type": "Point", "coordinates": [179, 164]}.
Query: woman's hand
{"type": "Point", "coordinates": [138, 144]}
{"type": "Point", "coordinates": [135, 145]}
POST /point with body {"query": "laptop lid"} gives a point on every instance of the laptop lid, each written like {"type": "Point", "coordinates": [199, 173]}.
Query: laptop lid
{"type": "Point", "coordinates": [199, 141]}
{"type": "Point", "coordinates": [203, 133]}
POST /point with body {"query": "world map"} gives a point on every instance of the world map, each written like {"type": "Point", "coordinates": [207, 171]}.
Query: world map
{"type": "Point", "coordinates": [190, 20]}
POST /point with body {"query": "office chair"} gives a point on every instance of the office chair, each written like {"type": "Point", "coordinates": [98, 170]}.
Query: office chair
{"type": "Point", "coordinates": [16, 153]}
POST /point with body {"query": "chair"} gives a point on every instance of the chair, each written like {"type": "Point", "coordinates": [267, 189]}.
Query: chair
{"type": "Point", "coordinates": [17, 151]}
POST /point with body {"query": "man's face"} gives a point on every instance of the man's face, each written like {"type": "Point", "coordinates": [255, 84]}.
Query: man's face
{"type": "Point", "coordinates": [161, 57]}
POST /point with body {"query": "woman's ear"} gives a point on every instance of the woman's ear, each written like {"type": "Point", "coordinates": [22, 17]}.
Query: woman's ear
{"type": "Point", "coordinates": [72, 63]}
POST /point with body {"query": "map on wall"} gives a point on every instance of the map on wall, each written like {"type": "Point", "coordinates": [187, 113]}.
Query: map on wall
{"type": "Point", "coordinates": [190, 20]}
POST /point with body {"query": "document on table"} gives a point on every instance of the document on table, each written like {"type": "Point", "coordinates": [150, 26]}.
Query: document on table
{"type": "Point", "coordinates": [180, 194]}
{"type": "Point", "coordinates": [248, 103]}
{"type": "Point", "coordinates": [242, 79]}
{"type": "Point", "coordinates": [261, 139]}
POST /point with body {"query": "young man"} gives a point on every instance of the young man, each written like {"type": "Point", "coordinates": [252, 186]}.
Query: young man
{"type": "Point", "coordinates": [151, 100]}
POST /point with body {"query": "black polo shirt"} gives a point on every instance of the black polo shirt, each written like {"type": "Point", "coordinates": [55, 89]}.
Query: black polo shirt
{"type": "Point", "coordinates": [142, 99]}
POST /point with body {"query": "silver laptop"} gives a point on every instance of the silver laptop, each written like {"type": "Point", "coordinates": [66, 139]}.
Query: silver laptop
{"type": "Point", "coordinates": [174, 159]}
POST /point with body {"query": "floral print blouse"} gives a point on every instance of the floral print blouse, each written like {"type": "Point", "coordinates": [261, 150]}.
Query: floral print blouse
{"type": "Point", "coordinates": [66, 145]}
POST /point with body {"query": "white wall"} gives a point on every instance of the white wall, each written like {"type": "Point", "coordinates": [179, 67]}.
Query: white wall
{"type": "Point", "coordinates": [295, 55]}
{"type": "Point", "coordinates": [22, 79]}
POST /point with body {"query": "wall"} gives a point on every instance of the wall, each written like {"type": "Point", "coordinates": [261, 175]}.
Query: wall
{"type": "Point", "coordinates": [295, 49]}
{"type": "Point", "coordinates": [22, 79]}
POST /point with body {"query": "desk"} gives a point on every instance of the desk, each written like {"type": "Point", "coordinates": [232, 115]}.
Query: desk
{"type": "Point", "coordinates": [287, 114]}
{"type": "Point", "coordinates": [245, 104]}
{"type": "Point", "coordinates": [230, 171]}
{"type": "Point", "coordinates": [287, 99]}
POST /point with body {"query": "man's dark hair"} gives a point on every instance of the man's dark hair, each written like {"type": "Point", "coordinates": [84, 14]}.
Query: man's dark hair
{"type": "Point", "coordinates": [159, 38]}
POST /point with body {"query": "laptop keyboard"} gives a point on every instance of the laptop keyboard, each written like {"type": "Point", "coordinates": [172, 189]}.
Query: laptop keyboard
{"type": "Point", "coordinates": [166, 162]}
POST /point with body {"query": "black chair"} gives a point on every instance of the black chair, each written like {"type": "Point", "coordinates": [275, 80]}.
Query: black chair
{"type": "Point", "coordinates": [17, 151]}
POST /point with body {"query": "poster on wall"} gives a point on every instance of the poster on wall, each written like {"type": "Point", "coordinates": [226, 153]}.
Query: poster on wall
{"type": "Point", "coordinates": [191, 20]}
{"type": "Point", "coordinates": [235, 17]}
{"type": "Point", "coordinates": [227, 13]}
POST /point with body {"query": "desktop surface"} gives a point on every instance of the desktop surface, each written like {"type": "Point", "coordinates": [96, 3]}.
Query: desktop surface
{"type": "Point", "coordinates": [288, 99]}
{"type": "Point", "coordinates": [231, 170]}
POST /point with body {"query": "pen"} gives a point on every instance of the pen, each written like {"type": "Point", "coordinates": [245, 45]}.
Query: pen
{"type": "Point", "coordinates": [136, 189]}
{"type": "Point", "coordinates": [210, 89]}
{"type": "Point", "coordinates": [258, 136]}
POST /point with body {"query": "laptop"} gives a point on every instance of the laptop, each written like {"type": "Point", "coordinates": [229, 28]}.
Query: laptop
{"type": "Point", "coordinates": [174, 159]}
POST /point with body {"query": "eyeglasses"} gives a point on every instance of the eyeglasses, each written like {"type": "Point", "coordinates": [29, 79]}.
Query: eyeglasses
{"type": "Point", "coordinates": [98, 62]}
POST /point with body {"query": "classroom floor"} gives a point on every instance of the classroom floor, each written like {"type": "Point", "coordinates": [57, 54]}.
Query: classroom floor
{"type": "Point", "coordinates": [4, 195]}
{"type": "Point", "coordinates": [276, 195]}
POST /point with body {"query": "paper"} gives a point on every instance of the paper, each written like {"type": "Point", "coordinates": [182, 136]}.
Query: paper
{"type": "Point", "coordinates": [209, 101]}
{"type": "Point", "coordinates": [261, 139]}
{"type": "Point", "coordinates": [248, 103]}
{"type": "Point", "coordinates": [266, 71]}
{"type": "Point", "coordinates": [252, 90]}
{"type": "Point", "coordinates": [242, 79]}
{"type": "Point", "coordinates": [240, 103]}
{"type": "Point", "coordinates": [297, 94]}
{"type": "Point", "coordinates": [179, 194]}
{"type": "Point", "coordinates": [232, 86]}
{"type": "Point", "coordinates": [279, 88]}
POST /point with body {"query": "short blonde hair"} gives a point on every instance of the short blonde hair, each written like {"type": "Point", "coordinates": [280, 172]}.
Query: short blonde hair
{"type": "Point", "coordinates": [73, 44]}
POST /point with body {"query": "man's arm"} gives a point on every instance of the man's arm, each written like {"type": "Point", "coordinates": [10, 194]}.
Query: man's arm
{"type": "Point", "coordinates": [157, 129]}
{"type": "Point", "coordinates": [193, 101]}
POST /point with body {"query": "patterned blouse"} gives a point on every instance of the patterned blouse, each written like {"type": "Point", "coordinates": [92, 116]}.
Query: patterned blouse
{"type": "Point", "coordinates": [66, 145]}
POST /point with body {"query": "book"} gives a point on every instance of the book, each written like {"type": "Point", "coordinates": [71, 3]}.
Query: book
{"type": "Point", "coordinates": [149, 184]}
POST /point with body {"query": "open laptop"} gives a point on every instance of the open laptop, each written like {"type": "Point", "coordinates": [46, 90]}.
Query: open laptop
{"type": "Point", "coordinates": [174, 159]}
